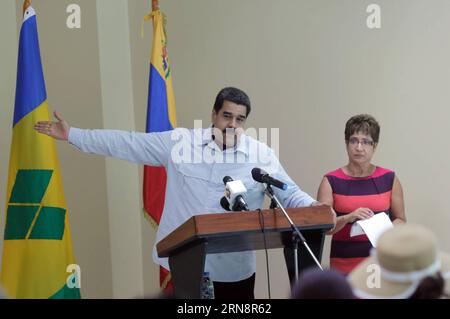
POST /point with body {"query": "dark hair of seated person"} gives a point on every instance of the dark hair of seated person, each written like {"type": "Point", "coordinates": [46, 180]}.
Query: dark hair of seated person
{"type": "Point", "coordinates": [314, 283]}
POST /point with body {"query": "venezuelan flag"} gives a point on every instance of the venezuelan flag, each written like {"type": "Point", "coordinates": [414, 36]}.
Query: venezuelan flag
{"type": "Point", "coordinates": [161, 116]}
{"type": "Point", "coordinates": [37, 250]}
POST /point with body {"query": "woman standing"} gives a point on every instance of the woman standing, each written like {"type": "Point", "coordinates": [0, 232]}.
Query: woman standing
{"type": "Point", "coordinates": [357, 191]}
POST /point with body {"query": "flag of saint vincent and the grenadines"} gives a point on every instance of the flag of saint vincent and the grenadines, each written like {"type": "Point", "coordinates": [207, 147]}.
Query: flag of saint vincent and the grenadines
{"type": "Point", "coordinates": [161, 116]}
{"type": "Point", "coordinates": [37, 247]}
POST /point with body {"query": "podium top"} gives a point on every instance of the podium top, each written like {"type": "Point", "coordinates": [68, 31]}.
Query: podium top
{"type": "Point", "coordinates": [239, 231]}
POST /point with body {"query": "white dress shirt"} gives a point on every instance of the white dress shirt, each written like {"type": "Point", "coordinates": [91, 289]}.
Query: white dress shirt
{"type": "Point", "coordinates": [195, 168]}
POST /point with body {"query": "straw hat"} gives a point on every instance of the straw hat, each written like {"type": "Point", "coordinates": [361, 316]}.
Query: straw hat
{"type": "Point", "coordinates": [405, 255]}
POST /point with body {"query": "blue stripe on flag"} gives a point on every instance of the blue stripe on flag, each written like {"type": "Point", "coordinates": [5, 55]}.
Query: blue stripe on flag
{"type": "Point", "coordinates": [157, 111]}
{"type": "Point", "coordinates": [30, 87]}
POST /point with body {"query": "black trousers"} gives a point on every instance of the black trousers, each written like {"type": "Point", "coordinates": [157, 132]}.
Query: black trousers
{"type": "Point", "coordinates": [244, 289]}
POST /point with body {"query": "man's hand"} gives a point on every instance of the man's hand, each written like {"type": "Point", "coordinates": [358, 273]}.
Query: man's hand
{"type": "Point", "coordinates": [316, 203]}
{"type": "Point", "coordinates": [58, 130]}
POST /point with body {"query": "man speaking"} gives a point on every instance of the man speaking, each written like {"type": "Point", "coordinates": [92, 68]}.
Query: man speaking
{"type": "Point", "coordinates": [196, 162]}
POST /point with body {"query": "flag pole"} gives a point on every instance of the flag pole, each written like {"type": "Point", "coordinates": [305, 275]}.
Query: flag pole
{"type": "Point", "coordinates": [155, 5]}
{"type": "Point", "coordinates": [26, 4]}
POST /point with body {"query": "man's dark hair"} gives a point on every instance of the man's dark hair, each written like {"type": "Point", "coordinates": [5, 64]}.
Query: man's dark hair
{"type": "Point", "coordinates": [233, 95]}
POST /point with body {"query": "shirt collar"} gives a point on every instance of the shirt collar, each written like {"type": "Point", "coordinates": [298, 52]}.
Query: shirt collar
{"type": "Point", "coordinates": [206, 140]}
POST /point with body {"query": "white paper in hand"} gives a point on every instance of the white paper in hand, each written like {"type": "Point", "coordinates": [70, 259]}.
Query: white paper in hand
{"type": "Point", "coordinates": [356, 230]}
{"type": "Point", "coordinates": [373, 227]}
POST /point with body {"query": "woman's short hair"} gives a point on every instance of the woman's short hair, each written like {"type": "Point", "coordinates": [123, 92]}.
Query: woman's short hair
{"type": "Point", "coordinates": [362, 123]}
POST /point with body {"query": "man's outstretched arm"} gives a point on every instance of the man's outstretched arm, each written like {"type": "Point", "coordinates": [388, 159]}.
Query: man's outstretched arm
{"type": "Point", "coordinates": [144, 148]}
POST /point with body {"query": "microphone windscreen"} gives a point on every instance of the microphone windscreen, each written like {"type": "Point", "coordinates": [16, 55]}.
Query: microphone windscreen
{"type": "Point", "coordinates": [258, 173]}
{"type": "Point", "coordinates": [227, 179]}
{"type": "Point", "coordinates": [224, 203]}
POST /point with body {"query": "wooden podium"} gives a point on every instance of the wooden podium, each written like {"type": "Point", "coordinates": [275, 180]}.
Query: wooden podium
{"type": "Point", "coordinates": [188, 245]}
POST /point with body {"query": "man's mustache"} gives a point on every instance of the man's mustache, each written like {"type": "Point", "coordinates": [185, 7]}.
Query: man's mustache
{"type": "Point", "coordinates": [229, 130]}
{"type": "Point", "coordinates": [232, 130]}
{"type": "Point", "coordinates": [227, 133]}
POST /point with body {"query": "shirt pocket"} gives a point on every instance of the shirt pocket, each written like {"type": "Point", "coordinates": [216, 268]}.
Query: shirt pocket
{"type": "Point", "coordinates": [196, 185]}
{"type": "Point", "coordinates": [197, 172]}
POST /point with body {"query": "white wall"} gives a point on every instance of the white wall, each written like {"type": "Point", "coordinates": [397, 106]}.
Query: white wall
{"type": "Point", "coordinates": [123, 189]}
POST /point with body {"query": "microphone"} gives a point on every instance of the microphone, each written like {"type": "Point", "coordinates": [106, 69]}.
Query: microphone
{"type": "Point", "coordinates": [224, 203]}
{"type": "Point", "coordinates": [227, 179]}
{"type": "Point", "coordinates": [262, 176]}
{"type": "Point", "coordinates": [233, 194]}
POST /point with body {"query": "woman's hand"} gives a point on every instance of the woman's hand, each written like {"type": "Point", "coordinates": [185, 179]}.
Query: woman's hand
{"type": "Point", "coordinates": [360, 213]}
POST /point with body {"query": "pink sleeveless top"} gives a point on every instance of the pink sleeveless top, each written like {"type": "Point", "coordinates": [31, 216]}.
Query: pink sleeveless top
{"type": "Point", "coordinates": [349, 194]}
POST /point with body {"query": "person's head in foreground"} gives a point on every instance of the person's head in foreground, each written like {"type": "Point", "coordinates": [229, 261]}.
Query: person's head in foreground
{"type": "Point", "coordinates": [405, 265]}
{"type": "Point", "coordinates": [314, 283]}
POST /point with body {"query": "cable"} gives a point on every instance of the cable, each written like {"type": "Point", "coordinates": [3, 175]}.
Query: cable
{"type": "Point", "coordinates": [261, 222]}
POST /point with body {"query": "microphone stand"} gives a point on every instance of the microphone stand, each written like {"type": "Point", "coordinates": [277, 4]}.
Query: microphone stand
{"type": "Point", "coordinates": [296, 234]}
